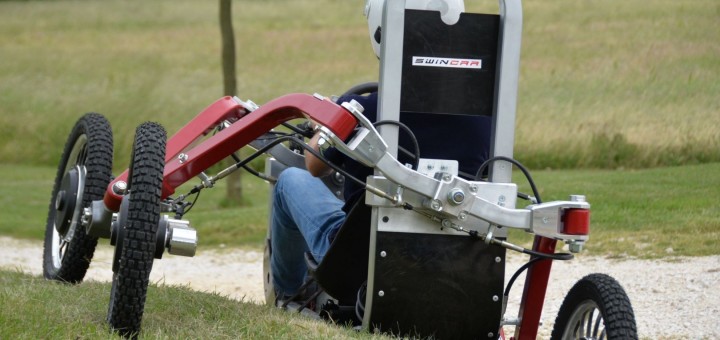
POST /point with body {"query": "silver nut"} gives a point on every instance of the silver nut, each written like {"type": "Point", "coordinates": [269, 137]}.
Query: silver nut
{"type": "Point", "coordinates": [353, 107]}
{"type": "Point", "coordinates": [462, 216]}
{"type": "Point", "coordinates": [456, 196]}
{"type": "Point", "coordinates": [119, 188]}
{"type": "Point", "coordinates": [436, 205]}
{"type": "Point", "coordinates": [86, 217]}
{"type": "Point", "coordinates": [577, 198]}
{"type": "Point", "coordinates": [575, 247]}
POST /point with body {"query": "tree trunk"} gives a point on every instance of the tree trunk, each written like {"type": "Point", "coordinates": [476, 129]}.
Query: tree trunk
{"type": "Point", "coordinates": [234, 183]}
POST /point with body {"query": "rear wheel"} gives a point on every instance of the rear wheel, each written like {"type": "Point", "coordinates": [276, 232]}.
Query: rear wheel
{"type": "Point", "coordinates": [83, 175]}
{"type": "Point", "coordinates": [138, 222]}
{"type": "Point", "coordinates": [597, 307]}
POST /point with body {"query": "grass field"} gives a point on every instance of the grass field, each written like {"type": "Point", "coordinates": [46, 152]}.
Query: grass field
{"type": "Point", "coordinates": [49, 310]}
{"type": "Point", "coordinates": [603, 84]}
{"type": "Point", "coordinates": [641, 213]}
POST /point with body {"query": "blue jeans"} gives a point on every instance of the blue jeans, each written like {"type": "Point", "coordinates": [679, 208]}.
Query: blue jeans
{"type": "Point", "coordinates": [304, 214]}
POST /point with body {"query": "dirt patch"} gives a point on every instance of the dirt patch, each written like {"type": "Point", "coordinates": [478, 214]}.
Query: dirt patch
{"type": "Point", "coordinates": [674, 298]}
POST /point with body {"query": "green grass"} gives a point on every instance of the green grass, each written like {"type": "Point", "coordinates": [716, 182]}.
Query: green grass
{"type": "Point", "coordinates": [643, 213]}
{"type": "Point", "coordinates": [25, 195]}
{"type": "Point", "coordinates": [33, 308]}
{"type": "Point", "coordinates": [634, 212]}
{"type": "Point", "coordinates": [602, 84]}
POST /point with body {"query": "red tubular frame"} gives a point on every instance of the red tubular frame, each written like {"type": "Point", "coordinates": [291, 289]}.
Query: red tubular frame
{"type": "Point", "coordinates": [249, 127]}
{"type": "Point", "coordinates": [533, 297]}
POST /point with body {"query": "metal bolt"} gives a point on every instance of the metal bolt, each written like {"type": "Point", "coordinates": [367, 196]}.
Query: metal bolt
{"type": "Point", "coordinates": [353, 106]}
{"type": "Point", "coordinates": [456, 196]}
{"type": "Point", "coordinates": [119, 188]}
{"type": "Point", "coordinates": [545, 220]}
{"type": "Point", "coordinates": [473, 188]}
{"type": "Point", "coordinates": [491, 334]}
{"type": "Point", "coordinates": [446, 224]}
{"type": "Point", "coordinates": [182, 157]}
{"type": "Point", "coordinates": [577, 198]}
{"type": "Point", "coordinates": [575, 247]}
{"type": "Point", "coordinates": [86, 217]}
{"type": "Point", "coordinates": [381, 293]}
{"type": "Point", "coordinates": [446, 177]}
{"type": "Point", "coordinates": [436, 205]}
{"type": "Point", "coordinates": [383, 254]}
{"type": "Point", "coordinates": [462, 216]}
{"type": "Point", "coordinates": [496, 298]}
{"type": "Point", "coordinates": [498, 259]}
{"type": "Point", "coordinates": [501, 198]}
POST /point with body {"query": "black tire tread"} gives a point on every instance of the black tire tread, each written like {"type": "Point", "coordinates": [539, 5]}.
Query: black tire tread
{"type": "Point", "coordinates": [98, 163]}
{"type": "Point", "coordinates": [145, 184]}
{"type": "Point", "coordinates": [611, 299]}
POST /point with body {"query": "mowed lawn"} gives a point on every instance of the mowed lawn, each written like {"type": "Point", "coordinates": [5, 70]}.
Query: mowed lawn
{"type": "Point", "coordinates": [603, 84]}
{"type": "Point", "coordinates": [646, 213]}
{"type": "Point", "coordinates": [625, 90]}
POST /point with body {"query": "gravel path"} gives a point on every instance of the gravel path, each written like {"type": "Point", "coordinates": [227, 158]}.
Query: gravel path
{"type": "Point", "coordinates": [675, 298]}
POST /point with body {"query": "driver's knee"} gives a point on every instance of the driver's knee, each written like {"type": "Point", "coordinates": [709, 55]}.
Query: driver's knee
{"type": "Point", "coordinates": [291, 179]}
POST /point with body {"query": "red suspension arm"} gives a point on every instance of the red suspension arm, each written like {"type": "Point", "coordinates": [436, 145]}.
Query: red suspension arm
{"type": "Point", "coordinates": [245, 130]}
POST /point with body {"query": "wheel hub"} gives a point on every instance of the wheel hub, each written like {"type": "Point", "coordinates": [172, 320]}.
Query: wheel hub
{"type": "Point", "coordinates": [67, 199]}
{"type": "Point", "coordinates": [117, 233]}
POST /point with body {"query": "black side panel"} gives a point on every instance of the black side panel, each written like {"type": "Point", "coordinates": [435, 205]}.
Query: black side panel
{"type": "Point", "coordinates": [344, 267]}
{"type": "Point", "coordinates": [435, 80]}
{"type": "Point", "coordinates": [446, 287]}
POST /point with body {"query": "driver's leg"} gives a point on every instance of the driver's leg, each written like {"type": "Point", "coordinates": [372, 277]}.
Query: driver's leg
{"type": "Point", "coordinates": [304, 213]}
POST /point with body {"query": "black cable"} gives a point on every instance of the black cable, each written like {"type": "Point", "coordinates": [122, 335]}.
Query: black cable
{"type": "Point", "coordinates": [315, 153]}
{"type": "Point", "coordinates": [535, 259]}
{"type": "Point", "coordinates": [553, 256]}
{"type": "Point", "coordinates": [519, 271]}
{"type": "Point", "coordinates": [481, 170]}
{"type": "Point", "coordinates": [247, 168]}
{"type": "Point", "coordinates": [407, 130]}
{"type": "Point", "coordinates": [359, 305]}
{"type": "Point", "coordinates": [197, 195]}
{"type": "Point", "coordinates": [303, 132]}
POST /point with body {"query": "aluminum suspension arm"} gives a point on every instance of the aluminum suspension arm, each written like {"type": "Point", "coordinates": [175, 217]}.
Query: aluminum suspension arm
{"type": "Point", "coordinates": [454, 199]}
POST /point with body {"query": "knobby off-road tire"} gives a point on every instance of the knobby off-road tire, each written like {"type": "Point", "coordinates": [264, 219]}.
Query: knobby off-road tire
{"type": "Point", "coordinates": [596, 307]}
{"type": "Point", "coordinates": [130, 281]}
{"type": "Point", "coordinates": [68, 249]}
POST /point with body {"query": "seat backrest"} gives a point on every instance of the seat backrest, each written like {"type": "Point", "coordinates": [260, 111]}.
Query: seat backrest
{"type": "Point", "coordinates": [459, 83]}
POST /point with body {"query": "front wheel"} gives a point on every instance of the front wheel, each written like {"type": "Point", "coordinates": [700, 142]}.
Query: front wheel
{"type": "Point", "coordinates": [138, 223]}
{"type": "Point", "coordinates": [82, 177]}
{"type": "Point", "coordinates": [596, 307]}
